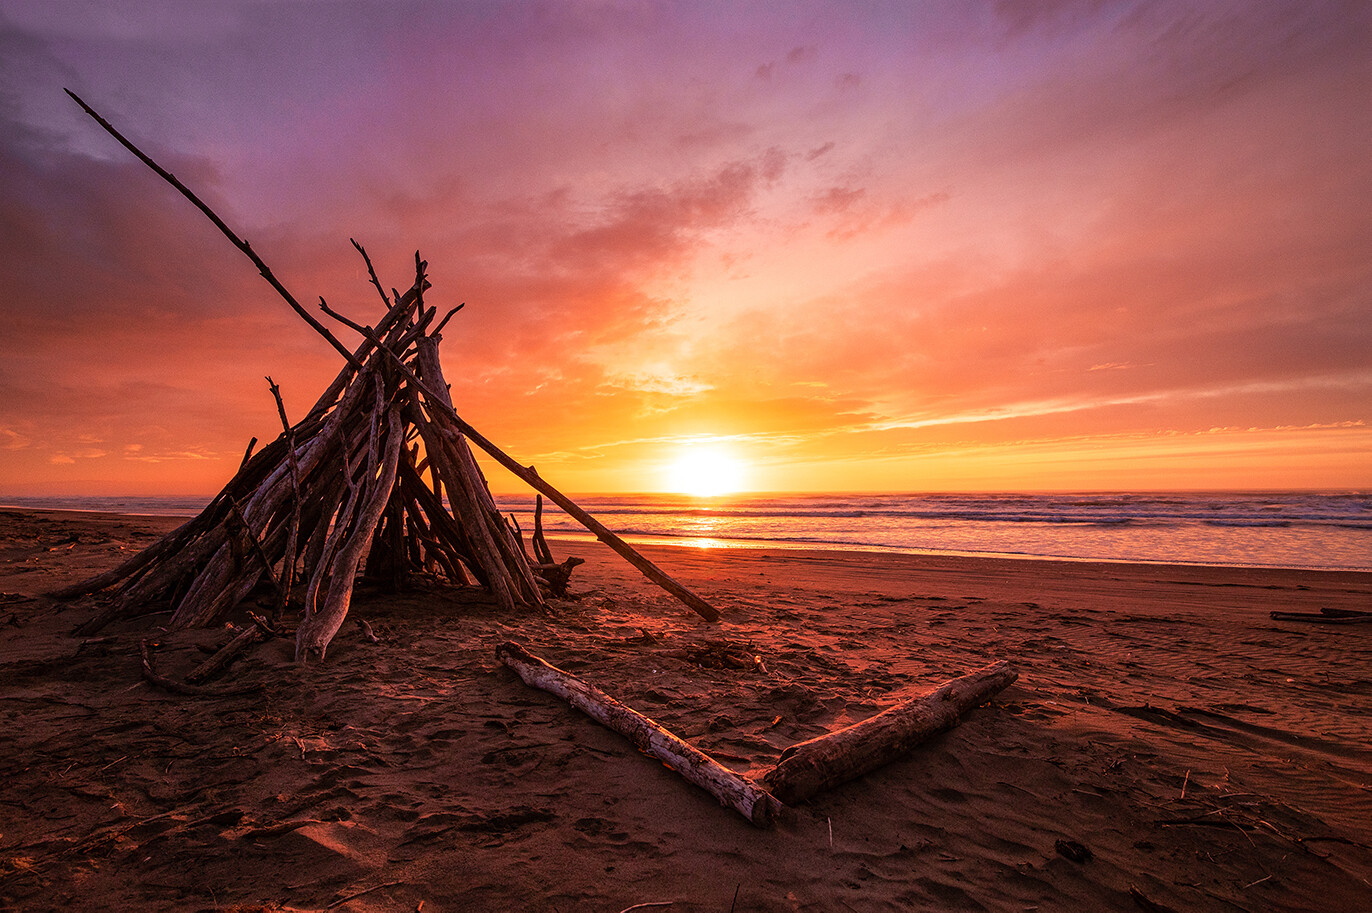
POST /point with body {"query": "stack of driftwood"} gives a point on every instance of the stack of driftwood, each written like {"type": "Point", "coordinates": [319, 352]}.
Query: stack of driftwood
{"type": "Point", "coordinates": [378, 477]}
{"type": "Point", "coordinates": [372, 479]}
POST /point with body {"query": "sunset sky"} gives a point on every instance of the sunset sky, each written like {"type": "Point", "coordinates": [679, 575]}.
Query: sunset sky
{"type": "Point", "coordinates": [853, 246]}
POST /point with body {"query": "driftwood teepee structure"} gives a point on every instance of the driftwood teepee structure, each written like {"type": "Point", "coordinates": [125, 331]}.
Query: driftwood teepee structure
{"type": "Point", "coordinates": [377, 477]}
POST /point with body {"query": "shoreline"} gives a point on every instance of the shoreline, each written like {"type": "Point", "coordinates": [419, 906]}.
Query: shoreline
{"type": "Point", "coordinates": [1209, 757]}
{"type": "Point", "coordinates": [723, 544]}
{"type": "Point", "coordinates": [658, 540]}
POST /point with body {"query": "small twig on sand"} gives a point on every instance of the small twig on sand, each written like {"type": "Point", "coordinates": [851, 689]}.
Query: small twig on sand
{"type": "Point", "coordinates": [644, 906]}
{"type": "Point", "coordinates": [342, 900]}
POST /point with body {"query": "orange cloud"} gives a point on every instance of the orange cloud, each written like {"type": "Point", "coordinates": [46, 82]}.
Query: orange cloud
{"type": "Point", "coordinates": [893, 247]}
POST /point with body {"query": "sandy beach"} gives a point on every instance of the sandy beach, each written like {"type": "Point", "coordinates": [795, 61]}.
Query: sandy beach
{"type": "Point", "coordinates": [1206, 756]}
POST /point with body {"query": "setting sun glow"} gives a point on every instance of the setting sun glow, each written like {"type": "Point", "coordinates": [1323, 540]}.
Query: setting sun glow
{"type": "Point", "coordinates": [880, 247]}
{"type": "Point", "coordinates": [705, 472]}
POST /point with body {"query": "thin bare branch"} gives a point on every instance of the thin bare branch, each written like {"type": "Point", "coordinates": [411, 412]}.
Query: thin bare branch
{"type": "Point", "coordinates": [247, 454]}
{"type": "Point", "coordinates": [357, 327]}
{"type": "Point", "coordinates": [220, 224]}
{"type": "Point", "coordinates": [372, 272]}
{"type": "Point", "coordinates": [293, 535]}
{"type": "Point", "coordinates": [444, 322]}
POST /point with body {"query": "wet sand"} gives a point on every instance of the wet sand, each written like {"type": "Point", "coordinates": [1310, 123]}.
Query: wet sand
{"type": "Point", "coordinates": [1208, 757]}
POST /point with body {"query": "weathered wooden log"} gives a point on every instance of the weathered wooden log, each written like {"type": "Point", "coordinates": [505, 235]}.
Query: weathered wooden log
{"type": "Point", "coordinates": [297, 506]}
{"type": "Point", "coordinates": [130, 566]}
{"type": "Point", "coordinates": [320, 509]}
{"type": "Point", "coordinates": [435, 528]}
{"type": "Point", "coordinates": [1324, 617]}
{"type": "Point", "coordinates": [337, 533]}
{"type": "Point", "coordinates": [602, 532]}
{"type": "Point", "coordinates": [518, 533]}
{"type": "Point", "coordinates": [445, 414]}
{"type": "Point", "coordinates": [240, 526]}
{"type": "Point", "coordinates": [250, 574]}
{"type": "Point", "coordinates": [810, 767]}
{"type": "Point", "coordinates": [429, 513]}
{"type": "Point", "coordinates": [471, 488]}
{"type": "Point", "coordinates": [558, 576]}
{"type": "Point", "coordinates": [466, 508]}
{"type": "Point", "coordinates": [334, 523]}
{"type": "Point", "coordinates": [319, 627]}
{"type": "Point", "coordinates": [545, 554]}
{"type": "Point", "coordinates": [513, 557]}
{"type": "Point", "coordinates": [210, 593]}
{"type": "Point", "coordinates": [226, 654]}
{"type": "Point", "coordinates": [152, 677]}
{"type": "Point", "coordinates": [731, 789]}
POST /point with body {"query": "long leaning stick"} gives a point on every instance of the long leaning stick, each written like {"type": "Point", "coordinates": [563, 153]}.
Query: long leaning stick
{"type": "Point", "coordinates": [527, 475]}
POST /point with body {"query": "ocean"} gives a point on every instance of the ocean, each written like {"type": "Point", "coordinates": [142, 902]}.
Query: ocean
{"type": "Point", "coordinates": [1323, 530]}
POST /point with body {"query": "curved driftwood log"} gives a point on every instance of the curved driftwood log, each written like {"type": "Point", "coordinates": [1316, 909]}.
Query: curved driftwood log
{"type": "Point", "coordinates": [324, 615]}
{"type": "Point", "coordinates": [809, 768]}
{"type": "Point", "coordinates": [731, 789]}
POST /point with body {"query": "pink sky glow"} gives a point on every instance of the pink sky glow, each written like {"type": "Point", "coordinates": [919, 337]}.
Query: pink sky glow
{"type": "Point", "coordinates": [861, 246]}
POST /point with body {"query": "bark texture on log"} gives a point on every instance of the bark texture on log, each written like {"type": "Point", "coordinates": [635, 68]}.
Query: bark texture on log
{"type": "Point", "coordinates": [732, 789]}
{"type": "Point", "coordinates": [602, 532]}
{"type": "Point", "coordinates": [226, 654]}
{"type": "Point", "coordinates": [467, 490]}
{"type": "Point", "coordinates": [811, 767]}
{"type": "Point", "coordinates": [318, 628]}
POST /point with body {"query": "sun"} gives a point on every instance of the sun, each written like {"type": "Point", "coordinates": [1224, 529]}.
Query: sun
{"type": "Point", "coordinates": [705, 472]}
